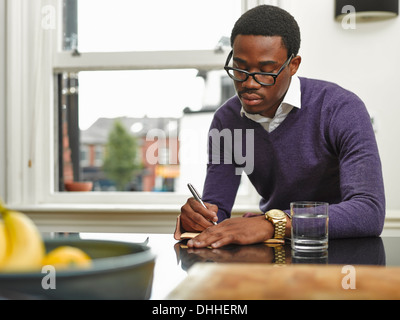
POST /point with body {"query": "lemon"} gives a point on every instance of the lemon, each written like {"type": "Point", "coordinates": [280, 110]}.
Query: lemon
{"type": "Point", "coordinates": [67, 257]}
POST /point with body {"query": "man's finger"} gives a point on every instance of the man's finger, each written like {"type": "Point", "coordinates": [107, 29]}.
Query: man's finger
{"type": "Point", "coordinates": [208, 213]}
{"type": "Point", "coordinates": [192, 220]}
{"type": "Point", "coordinates": [210, 237]}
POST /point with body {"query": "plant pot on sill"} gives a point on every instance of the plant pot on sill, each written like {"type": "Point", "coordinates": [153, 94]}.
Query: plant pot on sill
{"type": "Point", "coordinates": [78, 186]}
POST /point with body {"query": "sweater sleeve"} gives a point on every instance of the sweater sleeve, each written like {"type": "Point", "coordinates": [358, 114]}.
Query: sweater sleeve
{"type": "Point", "coordinates": [361, 212]}
{"type": "Point", "coordinates": [222, 181]}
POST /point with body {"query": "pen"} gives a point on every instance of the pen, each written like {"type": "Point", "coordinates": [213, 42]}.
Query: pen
{"type": "Point", "coordinates": [196, 195]}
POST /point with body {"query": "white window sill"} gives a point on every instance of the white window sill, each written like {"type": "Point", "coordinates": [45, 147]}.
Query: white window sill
{"type": "Point", "coordinates": [109, 217]}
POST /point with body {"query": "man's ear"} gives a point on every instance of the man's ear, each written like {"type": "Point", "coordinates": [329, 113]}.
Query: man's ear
{"type": "Point", "coordinates": [294, 65]}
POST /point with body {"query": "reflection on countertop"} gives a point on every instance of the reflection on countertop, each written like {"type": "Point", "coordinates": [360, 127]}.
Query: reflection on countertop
{"type": "Point", "coordinates": [360, 251]}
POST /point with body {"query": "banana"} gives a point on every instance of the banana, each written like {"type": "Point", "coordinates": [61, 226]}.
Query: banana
{"type": "Point", "coordinates": [3, 237]}
{"type": "Point", "coordinates": [2, 207]}
{"type": "Point", "coordinates": [3, 243]}
{"type": "Point", "coordinates": [26, 248]}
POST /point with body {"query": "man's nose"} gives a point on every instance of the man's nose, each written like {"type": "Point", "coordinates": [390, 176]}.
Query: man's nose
{"type": "Point", "coordinates": [251, 83]}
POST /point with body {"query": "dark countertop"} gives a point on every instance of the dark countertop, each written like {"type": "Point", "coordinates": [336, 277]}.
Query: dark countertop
{"type": "Point", "coordinates": [174, 259]}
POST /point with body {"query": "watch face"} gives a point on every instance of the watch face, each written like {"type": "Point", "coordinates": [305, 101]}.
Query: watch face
{"type": "Point", "coordinates": [276, 214]}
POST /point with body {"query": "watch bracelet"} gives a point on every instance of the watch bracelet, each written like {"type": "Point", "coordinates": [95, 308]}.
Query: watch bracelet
{"type": "Point", "coordinates": [280, 255]}
{"type": "Point", "coordinates": [280, 229]}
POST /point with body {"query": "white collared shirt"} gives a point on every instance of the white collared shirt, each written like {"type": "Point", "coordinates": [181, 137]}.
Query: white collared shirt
{"type": "Point", "coordinates": [291, 100]}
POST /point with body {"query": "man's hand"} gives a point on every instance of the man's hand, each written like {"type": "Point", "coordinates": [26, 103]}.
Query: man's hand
{"type": "Point", "coordinates": [236, 231]}
{"type": "Point", "coordinates": [195, 218]}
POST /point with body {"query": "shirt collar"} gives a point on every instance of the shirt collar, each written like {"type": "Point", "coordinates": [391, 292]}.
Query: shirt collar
{"type": "Point", "coordinates": [292, 98]}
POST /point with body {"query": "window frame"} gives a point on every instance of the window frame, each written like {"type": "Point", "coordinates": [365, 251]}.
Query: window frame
{"type": "Point", "coordinates": [29, 166]}
{"type": "Point", "coordinates": [2, 98]}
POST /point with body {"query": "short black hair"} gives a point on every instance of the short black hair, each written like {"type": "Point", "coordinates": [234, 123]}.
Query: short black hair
{"type": "Point", "coordinates": [267, 20]}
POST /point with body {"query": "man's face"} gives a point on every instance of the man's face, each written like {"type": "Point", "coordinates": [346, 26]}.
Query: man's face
{"type": "Point", "coordinates": [262, 54]}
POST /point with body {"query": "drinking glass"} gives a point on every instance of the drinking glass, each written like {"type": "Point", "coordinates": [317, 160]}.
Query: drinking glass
{"type": "Point", "coordinates": [309, 226]}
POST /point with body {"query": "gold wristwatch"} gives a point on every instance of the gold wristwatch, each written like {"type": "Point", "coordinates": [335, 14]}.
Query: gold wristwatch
{"type": "Point", "coordinates": [278, 219]}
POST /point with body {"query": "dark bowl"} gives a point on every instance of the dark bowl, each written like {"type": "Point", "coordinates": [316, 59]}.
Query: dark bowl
{"type": "Point", "coordinates": [120, 270]}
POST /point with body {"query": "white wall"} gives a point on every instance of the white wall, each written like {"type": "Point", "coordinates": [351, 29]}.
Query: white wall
{"type": "Point", "coordinates": [363, 60]}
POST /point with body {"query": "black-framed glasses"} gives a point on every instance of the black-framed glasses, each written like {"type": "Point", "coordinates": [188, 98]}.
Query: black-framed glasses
{"type": "Point", "coordinates": [263, 78]}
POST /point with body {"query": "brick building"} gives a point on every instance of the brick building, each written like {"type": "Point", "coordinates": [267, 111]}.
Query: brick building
{"type": "Point", "coordinates": [158, 153]}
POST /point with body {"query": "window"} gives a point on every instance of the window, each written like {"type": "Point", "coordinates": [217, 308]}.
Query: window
{"type": "Point", "coordinates": [98, 156]}
{"type": "Point", "coordinates": [156, 25]}
{"type": "Point", "coordinates": [2, 99]}
{"type": "Point", "coordinates": [84, 155]}
{"type": "Point", "coordinates": [148, 101]}
{"type": "Point", "coordinates": [162, 77]}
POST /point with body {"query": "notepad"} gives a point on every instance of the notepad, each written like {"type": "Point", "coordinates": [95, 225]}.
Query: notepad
{"type": "Point", "coordinates": [190, 235]}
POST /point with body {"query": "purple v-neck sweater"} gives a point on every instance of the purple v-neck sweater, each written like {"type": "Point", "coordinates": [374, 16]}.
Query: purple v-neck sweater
{"type": "Point", "coordinates": [325, 151]}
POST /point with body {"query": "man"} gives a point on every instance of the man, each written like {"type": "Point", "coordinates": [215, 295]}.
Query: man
{"type": "Point", "coordinates": [313, 140]}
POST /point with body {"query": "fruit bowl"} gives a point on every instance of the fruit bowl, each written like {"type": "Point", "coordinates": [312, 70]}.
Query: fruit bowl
{"type": "Point", "coordinates": [120, 270]}
{"type": "Point", "coordinates": [79, 186]}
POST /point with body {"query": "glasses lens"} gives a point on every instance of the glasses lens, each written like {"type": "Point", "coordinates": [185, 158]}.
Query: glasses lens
{"type": "Point", "coordinates": [265, 79]}
{"type": "Point", "coordinates": [237, 75]}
